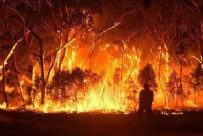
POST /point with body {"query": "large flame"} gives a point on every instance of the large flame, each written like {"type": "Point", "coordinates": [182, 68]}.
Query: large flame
{"type": "Point", "coordinates": [104, 96]}
{"type": "Point", "coordinates": [117, 89]}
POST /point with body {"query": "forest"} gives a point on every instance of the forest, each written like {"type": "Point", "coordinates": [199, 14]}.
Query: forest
{"type": "Point", "coordinates": [96, 55]}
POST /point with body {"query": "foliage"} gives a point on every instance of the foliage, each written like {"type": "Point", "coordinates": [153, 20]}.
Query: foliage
{"type": "Point", "coordinates": [64, 79]}
{"type": "Point", "coordinates": [73, 83]}
{"type": "Point", "coordinates": [147, 75]}
{"type": "Point", "coordinates": [197, 78]}
{"type": "Point", "coordinates": [173, 84]}
{"type": "Point", "coordinates": [92, 79]}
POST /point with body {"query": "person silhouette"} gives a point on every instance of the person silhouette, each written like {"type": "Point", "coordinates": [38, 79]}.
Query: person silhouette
{"type": "Point", "coordinates": [145, 100]}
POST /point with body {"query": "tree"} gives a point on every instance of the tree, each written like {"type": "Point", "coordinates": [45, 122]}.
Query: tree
{"type": "Point", "coordinates": [58, 18]}
{"type": "Point", "coordinates": [11, 35]}
{"type": "Point", "coordinates": [68, 84]}
{"type": "Point", "coordinates": [175, 89]}
{"type": "Point", "coordinates": [147, 75]}
{"type": "Point", "coordinates": [172, 86]}
{"type": "Point", "coordinates": [196, 80]}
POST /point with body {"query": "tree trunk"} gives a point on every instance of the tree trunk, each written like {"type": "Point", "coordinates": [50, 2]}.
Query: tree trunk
{"type": "Point", "coordinates": [3, 80]}
{"type": "Point", "coordinates": [181, 84]}
{"type": "Point", "coordinates": [41, 58]}
{"type": "Point", "coordinates": [201, 43]}
{"type": "Point", "coordinates": [201, 31]}
{"type": "Point", "coordinates": [76, 102]}
{"type": "Point", "coordinates": [195, 89]}
{"type": "Point", "coordinates": [19, 79]}
{"type": "Point", "coordinates": [134, 93]}
{"type": "Point", "coordinates": [42, 74]}
{"type": "Point", "coordinates": [21, 93]}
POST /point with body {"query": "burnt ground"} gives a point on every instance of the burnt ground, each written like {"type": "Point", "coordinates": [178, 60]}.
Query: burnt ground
{"type": "Point", "coordinates": [27, 123]}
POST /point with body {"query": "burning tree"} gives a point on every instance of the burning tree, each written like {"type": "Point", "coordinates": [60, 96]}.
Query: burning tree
{"type": "Point", "coordinates": [173, 88]}
{"type": "Point", "coordinates": [147, 75]}
{"type": "Point", "coordinates": [196, 81]}
{"type": "Point", "coordinates": [67, 85]}
{"type": "Point", "coordinates": [62, 20]}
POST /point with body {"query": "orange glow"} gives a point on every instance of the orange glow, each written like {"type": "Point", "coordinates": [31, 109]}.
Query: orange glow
{"type": "Point", "coordinates": [117, 89]}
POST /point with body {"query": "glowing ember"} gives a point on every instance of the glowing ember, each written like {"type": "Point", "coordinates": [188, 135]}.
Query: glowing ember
{"type": "Point", "coordinates": [172, 113]}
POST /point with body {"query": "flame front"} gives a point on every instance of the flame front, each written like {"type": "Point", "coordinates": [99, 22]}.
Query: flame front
{"type": "Point", "coordinates": [114, 90]}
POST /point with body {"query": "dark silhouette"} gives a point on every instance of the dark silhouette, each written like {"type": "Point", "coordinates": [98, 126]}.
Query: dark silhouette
{"type": "Point", "coordinates": [145, 100]}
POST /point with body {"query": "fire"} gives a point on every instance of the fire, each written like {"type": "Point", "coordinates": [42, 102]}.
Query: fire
{"type": "Point", "coordinates": [171, 113]}
{"type": "Point", "coordinates": [102, 96]}
{"type": "Point", "coordinates": [114, 87]}
{"type": "Point", "coordinates": [88, 56]}
{"type": "Point", "coordinates": [3, 106]}
{"type": "Point", "coordinates": [105, 80]}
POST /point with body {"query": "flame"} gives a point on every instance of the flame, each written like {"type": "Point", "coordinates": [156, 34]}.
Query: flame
{"type": "Point", "coordinates": [10, 53]}
{"type": "Point", "coordinates": [3, 105]}
{"type": "Point", "coordinates": [117, 90]}
{"type": "Point", "coordinates": [103, 96]}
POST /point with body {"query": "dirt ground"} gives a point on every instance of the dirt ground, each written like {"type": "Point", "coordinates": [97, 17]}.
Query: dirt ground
{"type": "Point", "coordinates": [27, 123]}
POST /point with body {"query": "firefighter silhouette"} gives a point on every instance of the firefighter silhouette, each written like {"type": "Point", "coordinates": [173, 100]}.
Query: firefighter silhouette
{"type": "Point", "coordinates": [145, 100]}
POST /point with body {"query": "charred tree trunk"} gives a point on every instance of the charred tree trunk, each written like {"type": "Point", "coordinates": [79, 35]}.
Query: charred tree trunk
{"type": "Point", "coordinates": [181, 84]}
{"type": "Point", "coordinates": [195, 89]}
{"type": "Point", "coordinates": [41, 58]}
{"type": "Point", "coordinates": [175, 94]}
{"type": "Point", "coordinates": [42, 72]}
{"type": "Point", "coordinates": [76, 102]}
{"type": "Point", "coordinates": [134, 96]}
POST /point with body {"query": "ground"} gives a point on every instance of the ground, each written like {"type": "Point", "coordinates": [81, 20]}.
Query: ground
{"type": "Point", "coordinates": [28, 123]}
